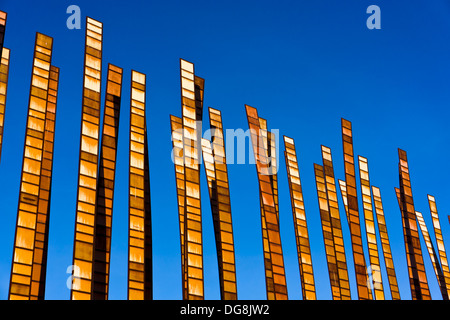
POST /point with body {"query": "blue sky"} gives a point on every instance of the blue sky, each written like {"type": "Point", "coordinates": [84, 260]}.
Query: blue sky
{"type": "Point", "coordinates": [302, 64]}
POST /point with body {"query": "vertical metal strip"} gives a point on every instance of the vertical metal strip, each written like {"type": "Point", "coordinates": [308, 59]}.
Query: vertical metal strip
{"type": "Point", "coordinates": [191, 96]}
{"type": "Point", "coordinates": [335, 220]}
{"type": "Point", "coordinates": [439, 241]}
{"type": "Point", "coordinates": [268, 203]}
{"type": "Point", "coordinates": [4, 72]}
{"type": "Point", "coordinates": [385, 246]}
{"type": "Point", "coordinates": [30, 185]}
{"type": "Point", "coordinates": [430, 248]}
{"type": "Point", "coordinates": [270, 290]}
{"type": "Point", "coordinates": [414, 257]}
{"type": "Point", "coordinates": [343, 188]}
{"type": "Point", "coordinates": [43, 215]}
{"type": "Point", "coordinates": [83, 251]}
{"type": "Point", "coordinates": [327, 231]}
{"type": "Point", "coordinates": [217, 175]}
{"type": "Point", "coordinates": [364, 292]}
{"type": "Point", "coordinates": [106, 178]}
{"type": "Point", "coordinates": [178, 161]}
{"type": "Point", "coordinates": [433, 255]}
{"type": "Point", "coordinates": [148, 243]}
{"type": "Point", "coordinates": [299, 217]}
{"type": "Point", "coordinates": [371, 236]}
{"type": "Point", "coordinates": [139, 257]}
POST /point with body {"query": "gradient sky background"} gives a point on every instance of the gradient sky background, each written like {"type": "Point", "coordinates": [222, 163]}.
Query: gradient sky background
{"type": "Point", "coordinates": [302, 64]}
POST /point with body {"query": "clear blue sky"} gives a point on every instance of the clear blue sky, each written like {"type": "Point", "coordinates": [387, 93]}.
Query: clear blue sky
{"type": "Point", "coordinates": [303, 64]}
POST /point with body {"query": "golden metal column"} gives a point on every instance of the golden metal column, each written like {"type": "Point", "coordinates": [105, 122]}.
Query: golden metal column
{"type": "Point", "coordinates": [430, 248]}
{"type": "Point", "coordinates": [216, 170]}
{"type": "Point", "coordinates": [192, 107]}
{"type": "Point", "coordinates": [4, 71]}
{"type": "Point", "coordinates": [343, 189]}
{"type": "Point", "coordinates": [83, 251]}
{"type": "Point", "coordinates": [364, 291]}
{"type": "Point", "coordinates": [385, 246]}
{"type": "Point", "coordinates": [105, 186]}
{"type": "Point", "coordinates": [268, 205]}
{"type": "Point", "coordinates": [30, 186]}
{"type": "Point", "coordinates": [327, 231]}
{"type": "Point", "coordinates": [335, 220]}
{"type": "Point", "coordinates": [270, 289]}
{"type": "Point", "coordinates": [139, 236]}
{"type": "Point", "coordinates": [371, 236]}
{"type": "Point", "coordinates": [191, 95]}
{"type": "Point", "coordinates": [300, 225]}
{"type": "Point", "coordinates": [439, 241]}
{"type": "Point", "coordinates": [43, 214]}
{"type": "Point", "coordinates": [176, 125]}
{"type": "Point", "coordinates": [433, 255]}
{"type": "Point", "coordinates": [414, 257]}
